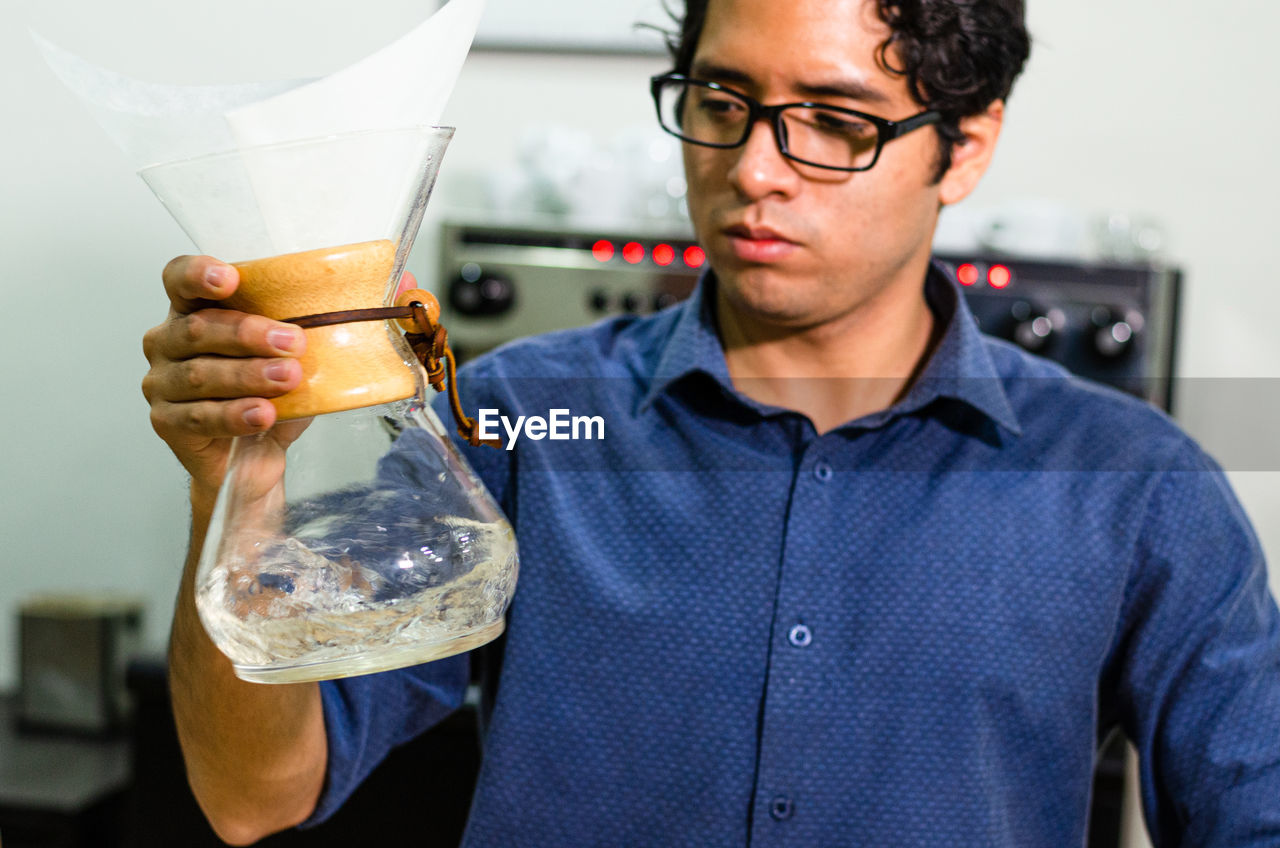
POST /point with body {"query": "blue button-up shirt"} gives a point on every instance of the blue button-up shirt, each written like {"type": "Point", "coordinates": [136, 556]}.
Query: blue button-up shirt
{"type": "Point", "coordinates": [911, 630]}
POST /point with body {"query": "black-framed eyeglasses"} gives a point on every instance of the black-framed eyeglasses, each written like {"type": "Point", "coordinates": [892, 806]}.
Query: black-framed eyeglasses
{"type": "Point", "coordinates": [817, 134]}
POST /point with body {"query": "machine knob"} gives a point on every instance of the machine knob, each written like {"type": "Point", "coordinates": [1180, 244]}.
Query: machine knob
{"type": "Point", "coordinates": [632, 302]}
{"type": "Point", "coordinates": [598, 300]}
{"type": "Point", "coordinates": [1114, 331]}
{"type": "Point", "coordinates": [664, 299]}
{"type": "Point", "coordinates": [478, 293]}
{"type": "Point", "coordinates": [1034, 328]}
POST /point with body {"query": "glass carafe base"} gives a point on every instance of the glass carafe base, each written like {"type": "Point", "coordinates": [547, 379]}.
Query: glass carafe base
{"type": "Point", "coordinates": [381, 660]}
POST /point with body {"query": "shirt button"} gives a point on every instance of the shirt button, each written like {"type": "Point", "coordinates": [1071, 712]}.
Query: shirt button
{"type": "Point", "coordinates": [823, 471]}
{"type": "Point", "coordinates": [781, 808]}
{"type": "Point", "coordinates": [800, 636]}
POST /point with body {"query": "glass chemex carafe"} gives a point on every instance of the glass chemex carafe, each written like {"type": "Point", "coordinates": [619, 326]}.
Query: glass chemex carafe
{"type": "Point", "coordinates": [352, 537]}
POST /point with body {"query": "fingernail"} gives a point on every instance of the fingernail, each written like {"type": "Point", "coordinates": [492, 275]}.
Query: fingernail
{"type": "Point", "coordinates": [254, 416]}
{"type": "Point", "coordinates": [215, 277]}
{"type": "Point", "coordinates": [277, 371]}
{"type": "Point", "coordinates": [283, 340]}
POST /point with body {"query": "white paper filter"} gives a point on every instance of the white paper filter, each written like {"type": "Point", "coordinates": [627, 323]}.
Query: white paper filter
{"type": "Point", "coordinates": [405, 84]}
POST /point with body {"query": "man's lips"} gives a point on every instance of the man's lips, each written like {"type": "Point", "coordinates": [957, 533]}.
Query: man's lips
{"type": "Point", "coordinates": [757, 233]}
{"type": "Point", "coordinates": [758, 244]}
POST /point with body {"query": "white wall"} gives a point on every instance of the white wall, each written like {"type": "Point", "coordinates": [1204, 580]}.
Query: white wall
{"type": "Point", "coordinates": [1154, 106]}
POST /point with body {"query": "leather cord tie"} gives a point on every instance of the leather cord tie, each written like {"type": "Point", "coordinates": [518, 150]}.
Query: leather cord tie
{"type": "Point", "coordinates": [417, 315]}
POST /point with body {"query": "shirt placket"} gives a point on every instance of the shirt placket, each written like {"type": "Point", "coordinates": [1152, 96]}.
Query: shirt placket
{"type": "Point", "coordinates": [797, 654]}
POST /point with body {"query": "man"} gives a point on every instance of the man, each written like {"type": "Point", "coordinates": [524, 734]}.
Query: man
{"type": "Point", "coordinates": [843, 571]}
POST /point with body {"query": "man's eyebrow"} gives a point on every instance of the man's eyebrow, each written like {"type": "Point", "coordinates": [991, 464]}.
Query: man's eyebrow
{"type": "Point", "coordinates": [719, 73]}
{"type": "Point", "coordinates": [852, 89]}
{"type": "Point", "coordinates": [847, 88]}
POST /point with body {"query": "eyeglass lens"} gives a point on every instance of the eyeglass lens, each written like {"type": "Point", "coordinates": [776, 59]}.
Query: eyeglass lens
{"type": "Point", "coordinates": [820, 136]}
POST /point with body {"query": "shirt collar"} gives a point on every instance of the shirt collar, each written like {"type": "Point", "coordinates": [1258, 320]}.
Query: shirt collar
{"type": "Point", "coordinates": [693, 345]}
{"type": "Point", "coordinates": [959, 369]}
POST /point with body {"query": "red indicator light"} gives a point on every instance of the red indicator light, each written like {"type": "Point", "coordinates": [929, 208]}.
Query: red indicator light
{"type": "Point", "coordinates": [664, 254]}
{"type": "Point", "coordinates": [999, 276]}
{"type": "Point", "coordinates": [694, 256]}
{"type": "Point", "coordinates": [967, 274]}
{"type": "Point", "coordinates": [633, 252]}
{"type": "Point", "coordinates": [602, 250]}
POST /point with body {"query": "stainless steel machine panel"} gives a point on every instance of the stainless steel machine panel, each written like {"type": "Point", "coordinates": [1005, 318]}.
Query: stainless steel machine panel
{"type": "Point", "coordinates": [498, 284]}
{"type": "Point", "coordinates": [1110, 323]}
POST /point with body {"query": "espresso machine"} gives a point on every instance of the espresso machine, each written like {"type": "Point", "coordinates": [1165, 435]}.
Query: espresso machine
{"type": "Point", "coordinates": [1113, 323]}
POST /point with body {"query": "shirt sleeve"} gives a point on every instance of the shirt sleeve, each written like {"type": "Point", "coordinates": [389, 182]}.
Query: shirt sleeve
{"type": "Point", "coordinates": [481, 386]}
{"type": "Point", "coordinates": [1200, 683]}
{"type": "Point", "coordinates": [366, 717]}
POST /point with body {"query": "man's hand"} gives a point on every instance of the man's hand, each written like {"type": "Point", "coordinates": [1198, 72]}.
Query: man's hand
{"type": "Point", "coordinates": [212, 370]}
{"type": "Point", "coordinates": [255, 755]}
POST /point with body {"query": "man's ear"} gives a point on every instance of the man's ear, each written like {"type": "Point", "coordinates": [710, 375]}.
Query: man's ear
{"type": "Point", "coordinates": [970, 157]}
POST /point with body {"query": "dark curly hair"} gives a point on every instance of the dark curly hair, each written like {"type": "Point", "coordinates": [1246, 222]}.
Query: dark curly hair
{"type": "Point", "coordinates": [957, 55]}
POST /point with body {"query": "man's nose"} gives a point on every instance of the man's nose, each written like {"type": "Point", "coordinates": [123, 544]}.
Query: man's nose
{"type": "Point", "coordinates": [761, 169]}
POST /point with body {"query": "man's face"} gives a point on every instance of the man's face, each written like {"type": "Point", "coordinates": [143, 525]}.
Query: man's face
{"type": "Point", "coordinates": [793, 246]}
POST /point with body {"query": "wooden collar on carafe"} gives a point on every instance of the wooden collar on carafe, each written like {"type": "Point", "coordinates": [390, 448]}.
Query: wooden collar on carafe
{"type": "Point", "coordinates": [418, 313]}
